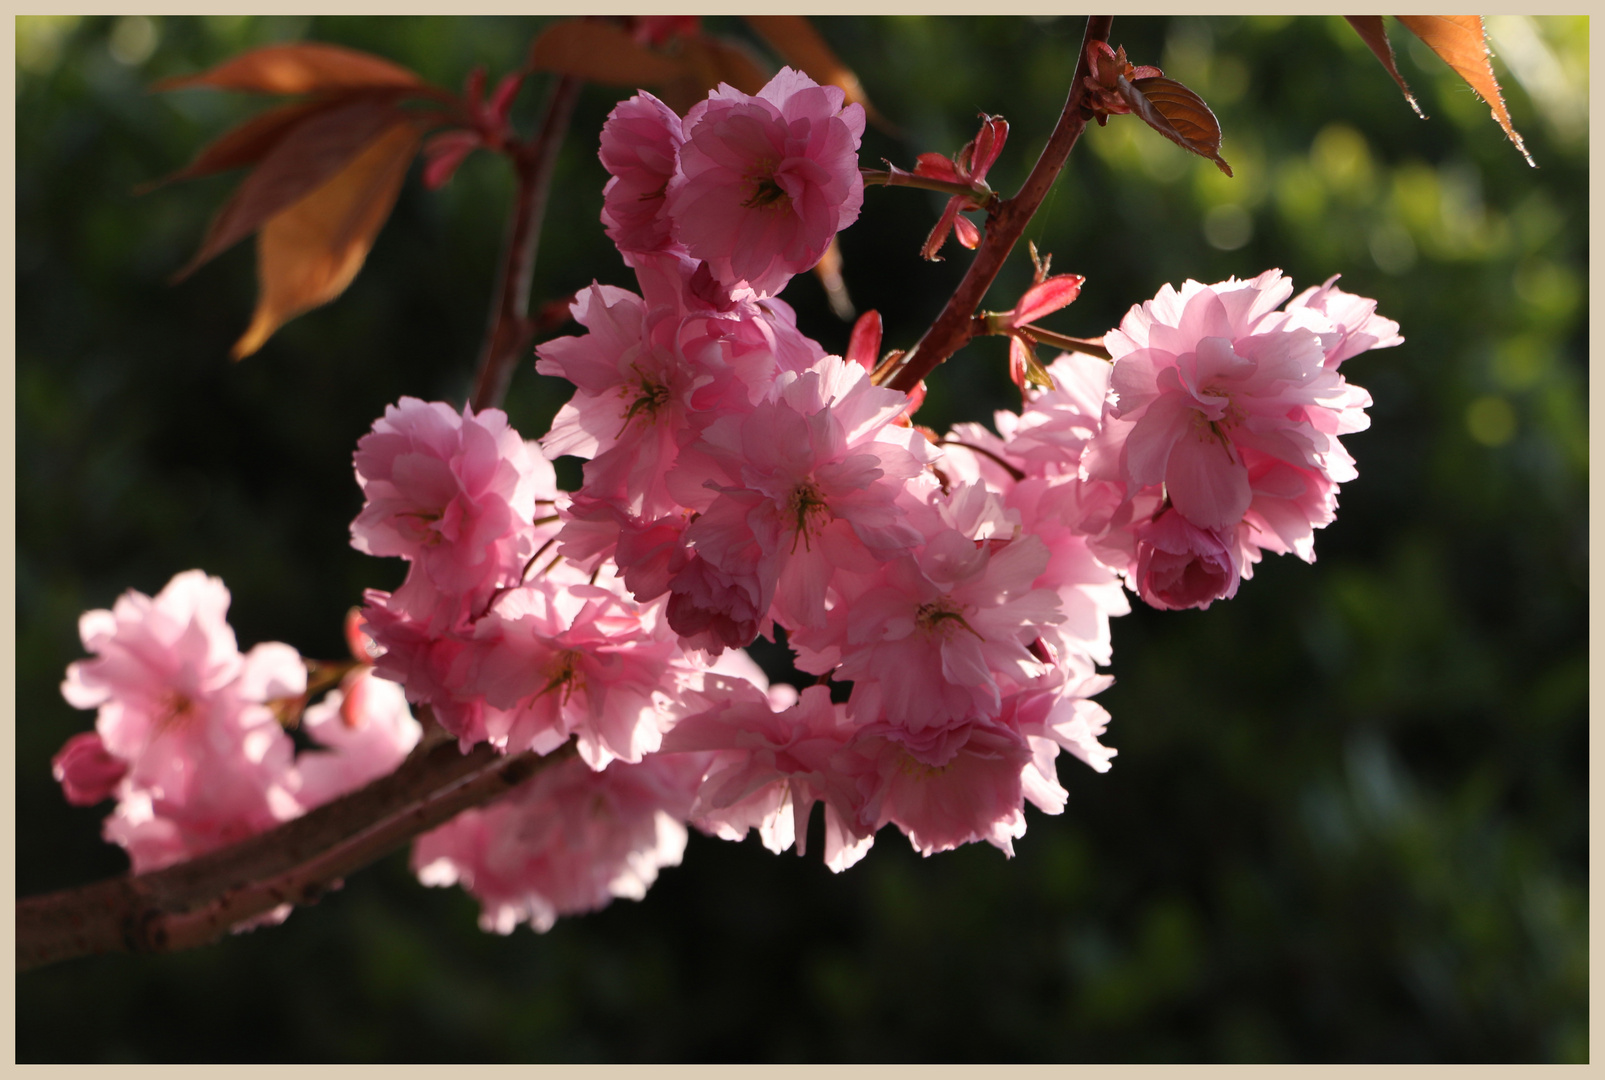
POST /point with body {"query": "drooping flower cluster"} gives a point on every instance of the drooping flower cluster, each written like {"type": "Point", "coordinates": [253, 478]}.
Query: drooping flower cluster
{"type": "Point", "coordinates": [950, 596]}
{"type": "Point", "coordinates": [188, 735]}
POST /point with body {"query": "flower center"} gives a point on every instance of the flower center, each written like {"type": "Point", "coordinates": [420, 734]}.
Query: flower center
{"type": "Point", "coordinates": [563, 676]}
{"type": "Point", "coordinates": [809, 511]}
{"type": "Point", "coordinates": [942, 618]}
{"type": "Point", "coordinates": [649, 397]}
{"type": "Point", "coordinates": [766, 192]}
{"type": "Point", "coordinates": [177, 710]}
{"type": "Point", "coordinates": [916, 769]}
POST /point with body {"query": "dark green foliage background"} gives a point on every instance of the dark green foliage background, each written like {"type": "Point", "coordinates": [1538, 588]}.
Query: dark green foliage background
{"type": "Point", "coordinates": [1348, 819]}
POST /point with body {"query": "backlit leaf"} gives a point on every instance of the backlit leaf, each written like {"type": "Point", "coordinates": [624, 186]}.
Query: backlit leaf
{"type": "Point", "coordinates": [300, 161]}
{"type": "Point", "coordinates": [707, 62]}
{"type": "Point", "coordinates": [1369, 27]}
{"type": "Point", "coordinates": [300, 68]}
{"type": "Point", "coordinates": [801, 46]}
{"type": "Point", "coordinates": [246, 144]}
{"type": "Point", "coordinates": [308, 254]}
{"type": "Point", "coordinates": [1459, 41]}
{"type": "Point", "coordinates": [600, 52]}
{"type": "Point", "coordinates": [1176, 113]}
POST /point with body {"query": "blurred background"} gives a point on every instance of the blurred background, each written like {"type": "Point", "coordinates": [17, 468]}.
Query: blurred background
{"type": "Point", "coordinates": [1348, 819]}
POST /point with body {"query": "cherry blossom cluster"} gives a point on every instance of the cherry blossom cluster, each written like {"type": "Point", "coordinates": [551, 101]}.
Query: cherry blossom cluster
{"type": "Point", "coordinates": [189, 735]}
{"type": "Point", "coordinates": [948, 596]}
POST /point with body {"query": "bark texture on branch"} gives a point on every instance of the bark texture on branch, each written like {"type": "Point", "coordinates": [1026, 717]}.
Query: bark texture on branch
{"type": "Point", "coordinates": [198, 901]}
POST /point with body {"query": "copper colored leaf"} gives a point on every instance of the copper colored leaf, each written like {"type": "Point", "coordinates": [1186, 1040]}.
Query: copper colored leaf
{"type": "Point", "coordinates": [1459, 41]}
{"type": "Point", "coordinates": [716, 60]}
{"type": "Point", "coordinates": [308, 254]}
{"type": "Point", "coordinates": [600, 52]}
{"type": "Point", "coordinates": [707, 62]}
{"type": "Point", "coordinates": [801, 46]}
{"type": "Point", "coordinates": [246, 144]}
{"type": "Point", "coordinates": [301, 68]}
{"type": "Point", "coordinates": [1369, 27]}
{"type": "Point", "coordinates": [1178, 114]}
{"type": "Point", "coordinates": [302, 160]}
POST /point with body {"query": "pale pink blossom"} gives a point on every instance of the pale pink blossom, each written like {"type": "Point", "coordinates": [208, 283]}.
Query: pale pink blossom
{"type": "Point", "coordinates": [1207, 372]}
{"type": "Point", "coordinates": [189, 717]}
{"type": "Point", "coordinates": [1354, 324]}
{"type": "Point", "coordinates": [765, 182]}
{"type": "Point", "coordinates": [769, 767]}
{"type": "Point", "coordinates": [364, 729]}
{"type": "Point", "coordinates": [568, 840]}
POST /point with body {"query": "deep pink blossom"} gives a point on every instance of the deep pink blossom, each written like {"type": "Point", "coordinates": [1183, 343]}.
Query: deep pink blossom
{"type": "Point", "coordinates": [86, 772]}
{"type": "Point", "coordinates": [1180, 565]}
{"type": "Point", "coordinates": [765, 182]}
{"type": "Point", "coordinates": [942, 786]}
{"type": "Point", "coordinates": [816, 479]}
{"type": "Point", "coordinates": [640, 148]}
{"type": "Point", "coordinates": [454, 493]}
{"type": "Point", "coordinates": [968, 166]}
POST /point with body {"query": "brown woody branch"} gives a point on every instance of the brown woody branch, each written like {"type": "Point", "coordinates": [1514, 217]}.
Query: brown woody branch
{"type": "Point", "coordinates": [196, 902]}
{"type": "Point", "coordinates": [510, 329]}
{"type": "Point", "coordinates": [953, 327]}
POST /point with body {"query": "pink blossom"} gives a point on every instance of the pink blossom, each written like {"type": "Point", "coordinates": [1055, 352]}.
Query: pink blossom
{"type": "Point", "coordinates": [1087, 584]}
{"type": "Point", "coordinates": [765, 182]}
{"type": "Point", "coordinates": [561, 658]}
{"type": "Point", "coordinates": [1180, 565]}
{"type": "Point", "coordinates": [816, 479]}
{"type": "Point", "coordinates": [85, 771]}
{"type": "Point", "coordinates": [568, 840]}
{"type": "Point", "coordinates": [365, 730]}
{"type": "Point", "coordinates": [769, 767]}
{"type": "Point", "coordinates": [933, 637]}
{"type": "Point", "coordinates": [1207, 372]}
{"type": "Point", "coordinates": [188, 717]}
{"type": "Point", "coordinates": [942, 787]}
{"type": "Point", "coordinates": [454, 493]}
{"type": "Point", "coordinates": [1355, 325]}
{"type": "Point", "coordinates": [640, 147]}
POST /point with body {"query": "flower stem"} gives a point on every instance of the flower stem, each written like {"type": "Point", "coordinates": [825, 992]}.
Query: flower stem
{"type": "Point", "coordinates": [1005, 225]}
{"type": "Point", "coordinates": [980, 194]}
{"type": "Point", "coordinates": [510, 328]}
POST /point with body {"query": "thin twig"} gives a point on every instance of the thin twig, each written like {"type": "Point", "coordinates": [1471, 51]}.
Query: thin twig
{"type": "Point", "coordinates": [1004, 227]}
{"type": "Point", "coordinates": [510, 328]}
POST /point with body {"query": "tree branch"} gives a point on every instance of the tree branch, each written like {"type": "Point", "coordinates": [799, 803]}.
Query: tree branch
{"type": "Point", "coordinates": [196, 902]}
{"type": "Point", "coordinates": [510, 329]}
{"type": "Point", "coordinates": [1004, 227]}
